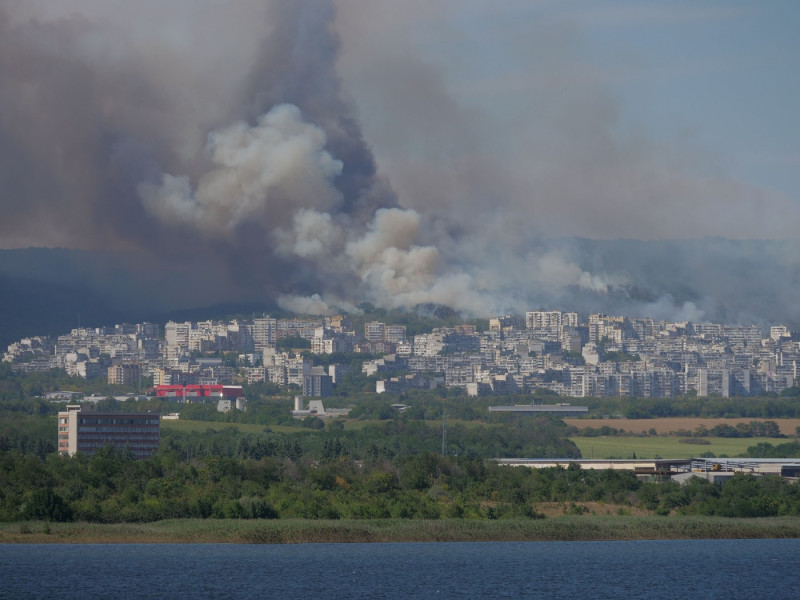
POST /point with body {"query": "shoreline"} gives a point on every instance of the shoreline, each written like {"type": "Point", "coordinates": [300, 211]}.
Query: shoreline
{"type": "Point", "coordinates": [297, 531]}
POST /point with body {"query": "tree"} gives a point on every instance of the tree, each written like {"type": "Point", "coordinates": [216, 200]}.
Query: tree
{"type": "Point", "coordinates": [46, 505]}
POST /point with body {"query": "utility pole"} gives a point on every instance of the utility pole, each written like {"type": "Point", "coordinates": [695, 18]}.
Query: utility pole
{"type": "Point", "coordinates": [444, 432]}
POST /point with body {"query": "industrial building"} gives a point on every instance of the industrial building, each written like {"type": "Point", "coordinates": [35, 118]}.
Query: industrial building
{"type": "Point", "coordinates": [88, 431]}
{"type": "Point", "coordinates": [562, 410]}
{"type": "Point", "coordinates": [315, 408]}
{"type": "Point", "coordinates": [198, 393]}
{"type": "Point", "coordinates": [716, 470]}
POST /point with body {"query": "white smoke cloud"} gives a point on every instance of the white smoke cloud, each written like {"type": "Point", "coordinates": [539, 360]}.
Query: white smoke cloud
{"type": "Point", "coordinates": [552, 269]}
{"type": "Point", "coordinates": [314, 235]}
{"type": "Point", "coordinates": [316, 305]}
{"type": "Point", "coordinates": [260, 173]}
{"type": "Point", "coordinates": [387, 259]}
{"type": "Point", "coordinates": [665, 308]}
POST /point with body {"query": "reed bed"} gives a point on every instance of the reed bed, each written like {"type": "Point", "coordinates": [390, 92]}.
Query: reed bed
{"type": "Point", "coordinates": [297, 531]}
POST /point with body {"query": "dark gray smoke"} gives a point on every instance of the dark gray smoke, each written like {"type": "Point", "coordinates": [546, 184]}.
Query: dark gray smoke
{"type": "Point", "coordinates": [128, 129]}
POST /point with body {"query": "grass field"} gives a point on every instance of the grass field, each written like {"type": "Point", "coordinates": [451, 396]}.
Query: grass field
{"type": "Point", "coordinates": [664, 446]}
{"type": "Point", "coordinates": [672, 424]}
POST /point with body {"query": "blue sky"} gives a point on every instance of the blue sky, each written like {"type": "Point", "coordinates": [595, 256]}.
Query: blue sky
{"type": "Point", "coordinates": [728, 76]}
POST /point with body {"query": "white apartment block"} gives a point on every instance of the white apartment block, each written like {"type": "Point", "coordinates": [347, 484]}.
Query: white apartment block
{"type": "Point", "coordinates": [265, 332]}
{"type": "Point", "coordinates": [177, 334]}
{"type": "Point", "coordinates": [374, 331]}
{"type": "Point", "coordinates": [540, 319]}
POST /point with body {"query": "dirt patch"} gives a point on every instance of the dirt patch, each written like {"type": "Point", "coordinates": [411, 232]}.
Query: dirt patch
{"type": "Point", "coordinates": [673, 425]}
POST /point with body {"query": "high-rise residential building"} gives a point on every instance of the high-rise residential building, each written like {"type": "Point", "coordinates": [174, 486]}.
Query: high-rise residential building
{"type": "Point", "coordinates": [374, 331]}
{"type": "Point", "coordinates": [317, 383]}
{"type": "Point", "coordinates": [177, 334]}
{"type": "Point", "coordinates": [296, 370]}
{"type": "Point", "coordinates": [124, 374]}
{"type": "Point", "coordinates": [265, 332]}
{"type": "Point", "coordinates": [504, 323]}
{"type": "Point", "coordinates": [540, 319]}
{"type": "Point", "coordinates": [338, 323]}
{"type": "Point", "coordinates": [394, 333]}
{"type": "Point", "coordinates": [776, 332]}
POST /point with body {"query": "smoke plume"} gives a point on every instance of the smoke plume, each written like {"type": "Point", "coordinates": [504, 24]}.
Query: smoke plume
{"type": "Point", "coordinates": [219, 144]}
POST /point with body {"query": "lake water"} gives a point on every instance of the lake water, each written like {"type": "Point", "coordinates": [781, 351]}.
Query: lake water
{"type": "Point", "coordinates": [699, 569]}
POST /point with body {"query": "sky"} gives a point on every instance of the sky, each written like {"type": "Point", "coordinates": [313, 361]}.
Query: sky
{"type": "Point", "coordinates": [490, 156]}
{"type": "Point", "coordinates": [691, 104]}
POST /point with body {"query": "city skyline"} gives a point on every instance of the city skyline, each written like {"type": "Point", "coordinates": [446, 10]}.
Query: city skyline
{"type": "Point", "coordinates": [552, 351]}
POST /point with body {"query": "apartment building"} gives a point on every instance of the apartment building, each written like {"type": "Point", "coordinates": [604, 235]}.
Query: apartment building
{"type": "Point", "coordinates": [124, 374]}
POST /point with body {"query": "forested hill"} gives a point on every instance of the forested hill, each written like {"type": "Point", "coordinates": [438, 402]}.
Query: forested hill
{"type": "Point", "coordinates": [49, 291]}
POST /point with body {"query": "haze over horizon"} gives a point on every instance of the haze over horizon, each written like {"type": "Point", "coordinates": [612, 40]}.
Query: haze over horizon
{"type": "Point", "coordinates": [594, 156]}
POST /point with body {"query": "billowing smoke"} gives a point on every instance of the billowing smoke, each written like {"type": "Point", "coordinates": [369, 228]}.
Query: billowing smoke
{"type": "Point", "coordinates": [184, 133]}
{"type": "Point", "coordinates": [218, 143]}
{"type": "Point", "coordinates": [259, 174]}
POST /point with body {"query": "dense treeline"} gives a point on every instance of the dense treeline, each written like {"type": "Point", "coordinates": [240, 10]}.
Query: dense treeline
{"type": "Point", "coordinates": [741, 430]}
{"type": "Point", "coordinates": [767, 450]}
{"type": "Point", "coordinates": [113, 487]}
{"type": "Point", "coordinates": [756, 407]}
{"type": "Point", "coordinates": [401, 437]}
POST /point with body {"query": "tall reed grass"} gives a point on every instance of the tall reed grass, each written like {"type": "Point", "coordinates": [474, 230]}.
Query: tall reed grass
{"type": "Point", "coordinates": [296, 531]}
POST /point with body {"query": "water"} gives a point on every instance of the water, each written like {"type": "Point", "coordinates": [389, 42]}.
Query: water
{"type": "Point", "coordinates": [550, 570]}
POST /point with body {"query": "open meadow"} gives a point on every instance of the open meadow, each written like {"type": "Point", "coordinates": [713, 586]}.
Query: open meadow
{"type": "Point", "coordinates": [668, 425]}
{"type": "Point", "coordinates": [664, 446]}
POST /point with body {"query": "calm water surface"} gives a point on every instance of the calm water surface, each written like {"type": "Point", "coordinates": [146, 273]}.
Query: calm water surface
{"type": "Point", "coordinates": [700, 569]}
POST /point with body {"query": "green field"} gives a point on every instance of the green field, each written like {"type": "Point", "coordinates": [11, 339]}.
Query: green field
{"type": "Point", "coordinates": [663, 446]}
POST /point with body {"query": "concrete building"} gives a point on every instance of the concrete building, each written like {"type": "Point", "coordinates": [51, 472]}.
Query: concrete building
{"type": "Point", "coordinates": [540, 319]}
{"type": "Point", "coordinates": [227, 404]}
{"type": "Point", "coordinates": [265, 332]}
{"type": "Point", "coordinates": [315, 408]}
{"type": "Point", "coordinates": [198, 392]}
{"type": "Point", "coordinates": [374, 331]}
{"type": "Point", "coordinates": [562, 410]}
{"type": "Point", "coordinates": [87, 432]}
{"type": "Point", "coordinates": [124, 374]}
{"type": "Point", "coordinates": [177, 334]}
{"type": "Point", "coordinates": [317, 383]}
{"type": "Point", "coordinates": [395, 333]}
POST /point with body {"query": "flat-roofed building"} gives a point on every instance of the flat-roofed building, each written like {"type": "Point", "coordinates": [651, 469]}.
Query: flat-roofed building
{"type": "Point", "coordinates": [198, 392]}
{"type": "Point", "coordinates": [87, 431]}
{"type": "Point", "coordinates": [124, 374]}
{"type": "Point", "coordinates": [374, 331]}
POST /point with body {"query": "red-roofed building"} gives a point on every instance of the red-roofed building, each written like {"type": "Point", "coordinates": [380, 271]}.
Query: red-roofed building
{"type": "Point", "coordinates": [198, 393]}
